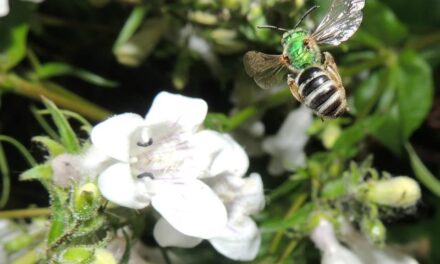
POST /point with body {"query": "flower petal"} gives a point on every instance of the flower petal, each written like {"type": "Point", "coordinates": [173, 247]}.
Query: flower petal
{"type": "Point", "coordinates": [186, 112]}
{"type": "Point", "coordinates": [190, 206]}
{"type": "Point", "coordinates": [4, 7]}
{"type": "Point", "coordinates": [113, 136]}
{"type": "Point", "coordinates": [224, 154]}
{"type": "Point", "coordinates": [239, 241]}
{"type": "Point", "coordinates": [167, 236]}
{"type": "Point", "coordinates": [118, 186]}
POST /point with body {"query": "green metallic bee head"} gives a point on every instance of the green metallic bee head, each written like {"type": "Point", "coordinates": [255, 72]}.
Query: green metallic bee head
{"type": "Point", "coordinates": [301, 50]}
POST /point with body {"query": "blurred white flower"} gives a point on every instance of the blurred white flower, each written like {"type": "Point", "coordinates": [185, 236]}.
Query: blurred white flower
{"type": "Point", "coordinates": [240, 238]}
{"type": "Point", "coordinates": [4, 6]}
{"type": "Point", "coordinates": [367, 252]}
{"type": "Point", "coordinates": [324, 238]}
{"type": "Point", "coordinates": [287, 146]}
{"type": "Point", "coordinates": [160, 160]}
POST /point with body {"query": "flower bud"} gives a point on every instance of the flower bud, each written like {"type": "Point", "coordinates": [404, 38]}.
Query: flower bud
{"type": "Point", "coordinates": [66, 168]}
{"type": "Point", "coordinates": [76, 255]}
{"type": "Point", "coordinates": [18, 243]}
{"type": "Point", "coordinates": [103, 256]}
{"type": "Point", "coordinates": [374, 230]}
{"type": "Point", "coordinates": [399, 191]}
{"type": "Point", "coordinates": [86, 201]}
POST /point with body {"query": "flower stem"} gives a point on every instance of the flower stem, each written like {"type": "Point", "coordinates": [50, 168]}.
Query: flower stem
{"type": "Point", "coordinates": [24, 213]}
{"type": "Point", "coordinates": [288, 250]}
{"type": "Point", "coordinates": [248, 112]}
{"type": "Point", "coordinates": [297, 203]}
{"type": "Point", "coordinates": [64, 99]}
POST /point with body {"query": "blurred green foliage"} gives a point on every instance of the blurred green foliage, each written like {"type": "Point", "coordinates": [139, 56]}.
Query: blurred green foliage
{"type": "Point", "coordinates": [70, 52]}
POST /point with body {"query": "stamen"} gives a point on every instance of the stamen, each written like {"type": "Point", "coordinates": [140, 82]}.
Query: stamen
{"type": "Point", "coordinates": [145, 175]}
{"type": "Point", "coordinates": [145, 144]}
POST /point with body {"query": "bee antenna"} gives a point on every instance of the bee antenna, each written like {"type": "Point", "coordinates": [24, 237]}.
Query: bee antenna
{"type": "Point", "coordinates": [306, 14]}
{"type": "Point", "coordinates": [273, 27]}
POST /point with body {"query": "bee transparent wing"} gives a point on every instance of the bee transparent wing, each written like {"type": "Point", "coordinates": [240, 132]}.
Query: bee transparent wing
{"type": "Point", "coordinates": [340, 23]}
{"type": "Point", "coordinates": [267, 70]}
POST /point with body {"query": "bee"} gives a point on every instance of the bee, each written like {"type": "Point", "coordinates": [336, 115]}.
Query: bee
{"type": "Point", "coordinates": [312, 76]}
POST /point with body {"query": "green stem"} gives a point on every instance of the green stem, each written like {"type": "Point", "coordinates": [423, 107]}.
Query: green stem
{"type": "Point", "coordinates": [424, 41]}
{"type": "Point", "coordinates": [288, 250]}
{"type": "Point", "coordinates": [37, 91]}
{"type": "Point", "coordinates": [248, 112]}
{"type": "Point", "coordinates": [421, 172]}
{"type": "Point", "coordinates": [297, 203]}
{"type": "Point", "coordinates": [6, 178]}
{"type": "Point", "coordinates": [25, 213]}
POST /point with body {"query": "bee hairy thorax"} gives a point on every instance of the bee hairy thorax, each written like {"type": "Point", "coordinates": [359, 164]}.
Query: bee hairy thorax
{"type": "Point", "coordinates": [320, 93]}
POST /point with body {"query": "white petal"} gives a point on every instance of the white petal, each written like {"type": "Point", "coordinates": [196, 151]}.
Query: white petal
{"type": "Point", "coordinates": [287, 146]}
{"type": "Point", "coordinates": [4, 7]}
{"type": "Point", "coordinates": [118, 186]}
{"type": "Point", "coordinates": [340, 255]}
{"type": "Point", "coordinates": [168, 236]}
{"type": "Point", "coordinates": [113, 136]}
{"type": "Point", "coordinates": [191, 207]}
{"type": "Point", "coordinates": [187, 112]}
{"type": "Point", "coordinates": [231, 160]}
{"type": "Point", "coordinates": [239, 241]}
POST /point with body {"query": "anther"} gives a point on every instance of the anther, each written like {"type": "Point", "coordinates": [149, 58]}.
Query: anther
{"type": "Point", "coordinates": [145, 175]}
{"type": "Point", "coordinates": [145, 144]}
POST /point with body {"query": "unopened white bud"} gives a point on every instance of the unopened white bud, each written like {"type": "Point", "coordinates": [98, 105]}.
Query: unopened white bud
{"type": "Point", "coordinates": [399, 191]}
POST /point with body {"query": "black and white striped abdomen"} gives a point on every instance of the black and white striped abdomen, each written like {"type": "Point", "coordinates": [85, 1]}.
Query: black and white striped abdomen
{"type": "Point", "coordinates": [320, 92]}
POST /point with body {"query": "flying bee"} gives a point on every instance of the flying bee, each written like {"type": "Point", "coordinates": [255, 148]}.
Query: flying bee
{"type": "Point", "coordinates": [313, 77]}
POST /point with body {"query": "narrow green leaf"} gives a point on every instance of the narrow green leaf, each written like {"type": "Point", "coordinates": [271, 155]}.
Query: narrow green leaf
{"type": "Point", "coordinates": [54, 148]}
{"type": "Point", "coordinates": [40, 172]}
{"type": "Point", "coordinates": [6, 178]}
{"type": "Point", "coordinates": [59, 219]}
{"type": "Point", "coordinates": [131, 25]}
{"type": "Point", "coordinates": [422, 173]}
{"type": "Point", "coordinates": [68, 136]}
{"type": "Point", "coordinates": [22, 149]}
{"type": "Point", "coordinates": [55, 69]}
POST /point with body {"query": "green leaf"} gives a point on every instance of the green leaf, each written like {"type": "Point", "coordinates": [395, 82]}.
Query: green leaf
{"type": "Point", "coordinates": [40, 172]}
{"type": "Point", "coordinates": [59, 217]}
{"type": "Point", "coordinates": [68, 136]}
{"type": "Point", "coordinates": [54, 148]}
{"type": "Point", "coordinates": [381, 23]}
{"type": "Point", "coordinates": [403, 112]}
{"type": "Point", "coordinates": [216, 121]}
{"type": "Point", "coordinates": [55, 69]}
{"type": "Point", "coordinates": [415, 91]}
{"type": "Point", "coordinates": [13, 31]}
{"type": "Point", "coordinates": [422, 173]}
{"type": "Point", "coordinates": [295, 221]}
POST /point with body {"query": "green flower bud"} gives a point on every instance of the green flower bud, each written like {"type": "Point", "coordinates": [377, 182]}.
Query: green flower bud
{"type": "Point", "coordinates": [86, 201]}
{"type": "Point", "coordinates": [103, 256]}
{"type": "Point", "coordinates": [399, 191]}
{"type": "Point", "coordinates": [76, 255]}
{"type": "Point", "coordinates": [18, 243]}
{"type": "Point", "coordinates": [203, 18]}
{"type": "Point", "coordinates": [330, 135]}
{"type": "Point", "coordinates": [374, 230]}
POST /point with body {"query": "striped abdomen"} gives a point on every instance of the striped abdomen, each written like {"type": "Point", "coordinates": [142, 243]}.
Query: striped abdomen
{"type": "Point", "coordinates": [320, 93]}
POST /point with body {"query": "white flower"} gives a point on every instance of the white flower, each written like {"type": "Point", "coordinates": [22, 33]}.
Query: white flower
{"type": "Point", "coordinates": [4, 6]}
{"type": "Point", "coordinates": [287, 146]}
{"type": "Point", "coordinates": [323, 236]}
{"type": "Point", "coordinates": [240, 239]}
{"type": "Point", "coordinates": [368, 253]}
{"type": "Point", "coordinates": [160, 159]}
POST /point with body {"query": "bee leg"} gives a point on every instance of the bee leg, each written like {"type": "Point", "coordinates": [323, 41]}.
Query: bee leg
{"type": "Point", "coordinates": [331, 68]}
{"type": "Point", "coordinates": [293, 87]}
